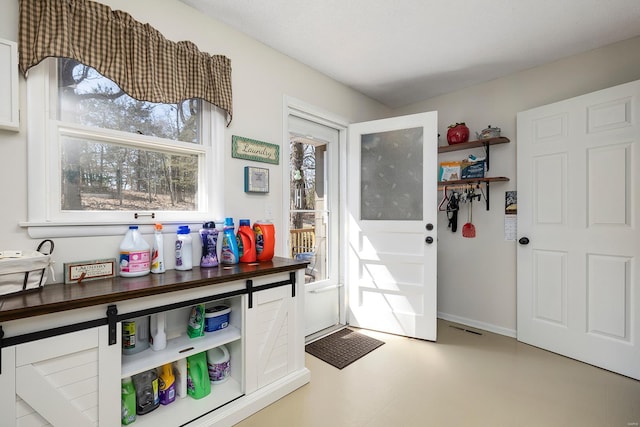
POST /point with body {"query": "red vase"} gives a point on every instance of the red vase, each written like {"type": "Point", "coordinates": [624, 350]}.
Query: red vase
{"type": "Point", "coordinates": [458, 133]}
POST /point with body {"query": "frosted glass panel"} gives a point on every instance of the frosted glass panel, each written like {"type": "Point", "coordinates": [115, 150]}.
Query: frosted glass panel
{"type": "Point", "coordinates": [391, 175]}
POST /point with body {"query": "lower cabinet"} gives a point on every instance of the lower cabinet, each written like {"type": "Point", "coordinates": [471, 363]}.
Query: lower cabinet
{"type": "Point", "coordinates": [75, 379]}
{"type": "Point", "coordinates": [271, 337]}
{"type": "Point", "coordinates": [67, 380]}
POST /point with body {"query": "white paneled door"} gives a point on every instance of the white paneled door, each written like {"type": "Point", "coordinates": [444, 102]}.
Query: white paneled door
{"type": "Point", "coordinates": [392, 242]}
{"type": "Point", "coordinates": [578, 218]}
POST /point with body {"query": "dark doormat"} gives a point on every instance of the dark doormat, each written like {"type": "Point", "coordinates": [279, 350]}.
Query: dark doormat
{"type": "Point", "coordinates": [343, 347]}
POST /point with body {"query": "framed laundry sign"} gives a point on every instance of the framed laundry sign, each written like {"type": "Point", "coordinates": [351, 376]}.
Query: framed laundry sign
{"type": "Point", "coordinates": [251, 149]}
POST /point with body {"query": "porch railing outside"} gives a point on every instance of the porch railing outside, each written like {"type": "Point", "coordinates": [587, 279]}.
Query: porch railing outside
{"type": "Point", "coordinates": [302, 240]}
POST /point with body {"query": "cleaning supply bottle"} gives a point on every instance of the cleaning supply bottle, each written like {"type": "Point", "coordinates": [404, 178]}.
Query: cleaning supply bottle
{"type": "Point", "coordinates": [265, 240]}
{"type": "Point", "coordinates": [198, 384]}
{"type": "Point", "coordinates": [230, 254]}
{"type": "Point", "coordinates": [166, 384]}
{"type": "Point", "coordinates": [135, 335]}
{"type": "Point", "coordinates": [180, 372]}
{"type": "Point", "coordinates": [134, 254]}
{"type": "Point", "coordinates": [246, 239]}
{"type": "Point", "coordinates": [147, 397]}
{"type": "Point", "coordinates": [195, 327]}
{"type": "Point", "coordinates": [128, 414]}
{"type": "Point", "coordinates": [157, 254]}
{"type": "Point", "coordinates": [209, 238]}
{"type": "Point", "coordinates": [184, 251]}
{"type": "Point", "coordinates": [218, 364]}
{"type": "Point", "coordinates": [158, 334]}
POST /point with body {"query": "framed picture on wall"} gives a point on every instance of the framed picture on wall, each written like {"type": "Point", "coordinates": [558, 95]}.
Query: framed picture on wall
{"type": "Point", "coordinates": [256, 180]}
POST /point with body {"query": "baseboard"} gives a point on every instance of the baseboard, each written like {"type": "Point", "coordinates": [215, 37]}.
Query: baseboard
{"type": "Point", "coordinates": [479, 325]}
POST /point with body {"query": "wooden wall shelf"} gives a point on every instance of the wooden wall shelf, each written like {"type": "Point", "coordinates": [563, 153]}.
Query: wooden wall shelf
{"type": "Point", "coordinates": [473, 144]}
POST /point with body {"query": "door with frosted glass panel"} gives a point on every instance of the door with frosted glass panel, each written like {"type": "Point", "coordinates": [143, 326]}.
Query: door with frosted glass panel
{"type": "Point", "coordinates": [392, 242]}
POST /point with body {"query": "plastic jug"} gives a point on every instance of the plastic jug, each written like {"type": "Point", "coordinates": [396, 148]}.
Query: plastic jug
{"type": "Point", "coordinates": [247, 239]}
{"type": "Point", "coordinates": [135, 258]}
{"type": "Point", "coordinates": [218, 364]}
{"type": "Point", "coordinates": [198, 385]}
{"type": "Point", "coordinates": [147, 398]}
{"type": "Point", "coordinates": [209, 239]}
{"type": "Point", "coordinates": [135, 335]}
{"type": "Point", "coordinates": [180, 372]}
{"type": "Point", "coordinates": [166, 384]}
{"type": "Point", "coordinates": [157, 253]}
{"type": "Point", "coordinates": [230, 254]}
{"type": "Point", "coordinates": [128, 401]}
{"type": "Point", "coordinates": [265, 240]}
{"type": "Point", "coordinates": [184, 249]}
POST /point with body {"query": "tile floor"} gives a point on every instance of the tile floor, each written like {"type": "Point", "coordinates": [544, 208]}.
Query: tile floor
{"type": "Point", "coordinates": [462, 380]}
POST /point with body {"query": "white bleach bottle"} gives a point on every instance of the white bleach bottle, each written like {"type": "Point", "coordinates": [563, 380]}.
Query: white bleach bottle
{"type": "Point", "coordinates": [135, 254]}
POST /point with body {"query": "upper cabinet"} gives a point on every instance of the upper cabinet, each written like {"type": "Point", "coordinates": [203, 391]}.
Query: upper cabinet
{"type": "Point", "coordinates": [9, 114]}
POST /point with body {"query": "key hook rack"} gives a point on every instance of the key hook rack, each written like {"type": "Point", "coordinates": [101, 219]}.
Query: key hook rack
{"type": "Point", "coordinates": [478, 183]}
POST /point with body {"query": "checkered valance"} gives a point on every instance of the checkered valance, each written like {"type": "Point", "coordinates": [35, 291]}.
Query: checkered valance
{"type": "Point", "coordinates": [134, 55]}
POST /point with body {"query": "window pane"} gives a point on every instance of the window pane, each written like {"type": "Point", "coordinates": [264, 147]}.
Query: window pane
{"type": "Point", "coordinates": [102, 176]}
{"type": "Point", "coordinates": [391, 175]}
{"type": "Point", "coordinates": [89, 98]}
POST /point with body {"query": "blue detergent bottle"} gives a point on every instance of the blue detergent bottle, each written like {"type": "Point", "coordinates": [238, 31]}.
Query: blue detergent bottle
{"type": "Point", "coordinates": [230, 252]}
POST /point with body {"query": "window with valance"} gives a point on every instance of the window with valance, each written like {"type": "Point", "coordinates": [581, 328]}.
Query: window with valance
{"type": "Point", "coordinates": [137, 57]}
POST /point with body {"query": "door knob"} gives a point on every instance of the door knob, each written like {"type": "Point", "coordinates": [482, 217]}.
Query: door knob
{"type": "Point", "coordinates": [429, 240]}
{"type": "Point", "coordinates": [524, 241]}
{"type": "Point", "coordinates": [429, 226]}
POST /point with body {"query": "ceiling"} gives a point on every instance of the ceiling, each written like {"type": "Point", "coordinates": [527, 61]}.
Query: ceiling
{"type": "Point", "coordinates": [400, 52]}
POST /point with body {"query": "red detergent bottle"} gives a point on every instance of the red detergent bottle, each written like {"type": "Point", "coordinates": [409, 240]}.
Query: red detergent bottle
{"type": "Point", "coordinates": [247, 239]}
{"type": "Point", "coordinates": [265, 234]}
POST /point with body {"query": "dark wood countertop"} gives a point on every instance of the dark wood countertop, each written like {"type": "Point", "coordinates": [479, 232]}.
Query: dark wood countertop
{"type": "Point", "coordinates": [60, 297]}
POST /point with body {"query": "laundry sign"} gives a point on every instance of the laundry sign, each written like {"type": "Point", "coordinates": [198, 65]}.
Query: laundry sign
{"type": "Point", "coordinates": [251, 149]}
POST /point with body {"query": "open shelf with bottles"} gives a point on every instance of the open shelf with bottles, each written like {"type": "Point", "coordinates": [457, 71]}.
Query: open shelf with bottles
{"type": "Point", "coordinates": [474, 182]}
{"type": "Point", "coordinates": [179, 346]}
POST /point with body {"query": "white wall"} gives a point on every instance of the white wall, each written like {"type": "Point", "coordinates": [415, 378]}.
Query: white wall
{"type": "Point", "coordinates": [261, 78]}
{"type": "Point", "coordinates": [477, 277]}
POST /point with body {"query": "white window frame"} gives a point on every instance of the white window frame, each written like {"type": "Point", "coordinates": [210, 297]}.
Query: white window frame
{"type": "Point", "coordinates": [46, 219]}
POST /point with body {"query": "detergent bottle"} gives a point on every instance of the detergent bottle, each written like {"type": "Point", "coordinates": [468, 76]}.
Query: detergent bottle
{"type": "Point", "coordinates": [166, 384]}
{"type": "Point", "coordinates": [209, 239]}
{"type": "Point", "coordinates": [230, 254]}
{"type": "Point", "coordinates": [147, 398]}
{"type": "Point", "coordinates": [184, 251]}
{"type": "Point", "coordinates": [128, 401]}
{"type": "Point", "coordinates": [198, 384]}
{"type": "Point", "coordinates": [265, 240]}
{"type": "Point", "coordinates": [247, 239]}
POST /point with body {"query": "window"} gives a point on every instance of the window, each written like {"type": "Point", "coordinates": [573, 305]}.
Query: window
{"type": "Point", "coordinates": [97, 155]}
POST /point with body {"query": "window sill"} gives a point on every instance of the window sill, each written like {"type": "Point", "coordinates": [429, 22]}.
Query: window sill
{"type": "Point", "coordinates": [50, 230]}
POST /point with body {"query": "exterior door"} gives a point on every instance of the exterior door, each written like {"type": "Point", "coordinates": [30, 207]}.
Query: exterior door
{"type": "Point", "coordinates": [392, 242]}
{"type": "Point", "coordinates": [313, 216]}
{"type": "Point", "coordinates": [579, 211]}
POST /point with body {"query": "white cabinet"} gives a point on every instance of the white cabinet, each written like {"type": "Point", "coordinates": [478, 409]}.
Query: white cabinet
{"type": "Point", "coordinates": [271, 335]}
{"type": "Point", "coordinates": [9, 113]}
{"type": "Point", "coordinates": [67, 380]}
{"type": "Point", "coordinates": [75, 378]}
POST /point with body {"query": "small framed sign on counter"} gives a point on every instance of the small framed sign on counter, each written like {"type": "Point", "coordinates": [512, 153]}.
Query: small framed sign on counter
{"type": "Point", "coordinates": [77, 272]}
{"type": "Point", "coordinates": [256, 180]}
